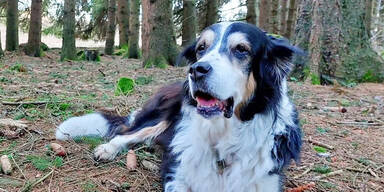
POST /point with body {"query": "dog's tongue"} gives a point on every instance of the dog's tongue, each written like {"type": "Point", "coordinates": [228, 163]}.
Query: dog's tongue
{"type": "Point", "coordinates": [206, 102]}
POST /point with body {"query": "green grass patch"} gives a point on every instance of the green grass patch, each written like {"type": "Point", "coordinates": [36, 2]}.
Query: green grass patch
{"type": "Point", "coordinates": [369, 76]}
{"type": "Point", "coordinates": [323, 169]}
{"type": "Point", "coordinates": [124, 86]}
{"type": "Point", "coordinates": [18, 67]}
{"type": "Point", "coordinates": [320, 149]}
{"type": "Point", "coordinates": [92, 141]}
{"type": "Point", "coordinates": [321, 130]}
{"type": "Point", "coordinates": [42, 163]}
{"type": "Point", "coordinates": [315, 79]}
{"type": "Point", "coordinates": [89, 187]}
{"type": "Point", "coordinates": [142, 80]}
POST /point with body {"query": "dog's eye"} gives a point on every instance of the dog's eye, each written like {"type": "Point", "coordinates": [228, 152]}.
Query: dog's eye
{"type": "Point", "coordinates": [241, 49]}
{"type": "Point", "coordinates": [201, 48]}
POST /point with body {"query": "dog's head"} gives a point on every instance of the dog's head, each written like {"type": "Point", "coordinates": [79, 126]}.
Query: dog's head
{"type": "Point", "coordinates": [236, 67]}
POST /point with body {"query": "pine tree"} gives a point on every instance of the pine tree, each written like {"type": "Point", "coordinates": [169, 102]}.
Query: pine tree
{"type": "Point", "coordinates": [123, 9]}
{"type": "Point", "coordinates": [12, 33]}
{"type": "Point", "coordinates": [111, 29]}
{"type": "Point", "coordinates": [291, 18]}
{"type": "Point", "coordinates": [189, 22]}
{"type": "Point", "coordinates": [251, 12]}
{"type": "Point", "coordinates": [69, 42]}
{"type": "Point", "coordinates": [134, 29]}
{"type": "Point", "coordinates": [274, 20]}
{"type": "Point", "coordinates": [264, 8]}
{"type": "Point", "coordinates": [158, 38]}
{"type": "Point", "coordinates": [283, 16]}
{"type": "Point", "coordinates": [34, 36]}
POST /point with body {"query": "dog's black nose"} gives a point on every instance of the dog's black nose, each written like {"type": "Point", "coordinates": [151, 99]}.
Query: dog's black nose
{"type": "Point", "coordinates": [199, 70]}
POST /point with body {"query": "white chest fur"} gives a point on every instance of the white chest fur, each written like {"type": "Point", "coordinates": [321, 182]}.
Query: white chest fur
{"type": "Point", "coordinates": [245, 147]}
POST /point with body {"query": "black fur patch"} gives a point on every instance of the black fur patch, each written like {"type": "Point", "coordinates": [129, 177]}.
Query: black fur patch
{"type": "Point", "coordinates": [287, 146]}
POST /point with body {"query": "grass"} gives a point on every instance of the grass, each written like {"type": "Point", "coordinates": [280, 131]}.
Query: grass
{"type": "Point", "coordinates": [323, 169]}
{"type": "Point", "coordinates": [92, 141]}
{"type": "Point", "coordinates": [42, 163]}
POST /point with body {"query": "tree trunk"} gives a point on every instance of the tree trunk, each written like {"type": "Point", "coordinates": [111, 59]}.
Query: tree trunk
{"type": "Point", "coordinates": [159, 42]}
{"type": "Point", "coordinates": [1, 48]}
{"type": "Point", "coordinates": [12, 33]}
{"type": "Point", "coordinates": [111, 29]}
{"type": "Point", "coordinates": [123, 20]}
{"type": "Point", "coordinates": [291, 19]}
{"type": "Point", "coordinates": [274, 19]}
{"type": "Point", "coordinates": [377, 15]}
{"type": "Point", "coordinates": [251, 12]}
{"type": "Point", "coordinates": [34, 36]}
{"type": "Point", "coordinates": [69, 42]}
{"type": "Point", "coordinates": [134, 29]}
{"type": "Point", "coordinates": [368, 16]}
{"type": "Point", "coordinates": [302, 35]}
{"type": "Point", "coordinates": [264, 8]}
{"type": "Point", "coordinates": [212, 12]}
{"type": "Point", "coordinates": [339, 46]}
{"type": "Point", "coordinates": [283, 16]}
{"type": "Point", "coordinates": [189, 22]}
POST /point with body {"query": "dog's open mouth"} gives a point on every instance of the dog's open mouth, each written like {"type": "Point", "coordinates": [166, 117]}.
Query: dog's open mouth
{"type": "Point", "coordinates": [208, 105]}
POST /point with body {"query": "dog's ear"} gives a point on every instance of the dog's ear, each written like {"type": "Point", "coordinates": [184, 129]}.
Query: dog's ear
{"type": "Point", "coordinates": [279, 53]}
{"type": "Point", "coordinates": [189, 53]}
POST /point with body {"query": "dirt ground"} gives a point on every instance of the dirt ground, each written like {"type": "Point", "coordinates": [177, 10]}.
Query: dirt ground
{"type": "Point", "coordinates": [341, 151]}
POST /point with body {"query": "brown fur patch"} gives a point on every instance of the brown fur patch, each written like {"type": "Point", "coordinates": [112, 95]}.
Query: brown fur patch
{"type": "Point", "coordinates": [249, 89]}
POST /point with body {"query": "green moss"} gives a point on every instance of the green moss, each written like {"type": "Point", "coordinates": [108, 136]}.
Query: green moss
{"type": "Point", "coordinates": [315, 79]}
{"type": "Point", "coordinates": [124, 86]}
{"type": "Point", "coordinates": [320, 149]}
{"type": "Point", "coordinates": [159, 62]}
{"type": "Point", "coordinates": [323, 169]}
{"type": "Point", "coordinates": [369, 76]}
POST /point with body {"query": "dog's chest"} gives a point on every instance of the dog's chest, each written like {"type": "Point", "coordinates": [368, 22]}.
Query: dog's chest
{"type": "Point", "coordinates": [220, 157]}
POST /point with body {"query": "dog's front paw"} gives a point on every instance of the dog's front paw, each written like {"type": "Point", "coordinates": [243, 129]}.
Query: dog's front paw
{"type": "Point", "coordinates": [106, 152]}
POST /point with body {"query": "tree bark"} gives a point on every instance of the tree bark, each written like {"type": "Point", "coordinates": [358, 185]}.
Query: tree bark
{"type": "Point", "coordinates": [123, 10]}
{"type": "Point", "coordinates": [189, 22]}
{"type": "Point", "coordinates": [291, 19]}
{"type": "Point", "coordinates": [1, 48]}
{"type": "Point", "coordinates": [159, 42]}
{"type": "Point", "coordinates": [34, 36]}
{"type": "Point", "coordinates": [251, 12]}
{"type": "Point", "coordinates": [264, 8]}
{"type": "Point", "coordinates": [212, 12]}
{"type": "Point", "coordinates": [134, 29]}
{"type": "Point", "coordinates": [69, 42]}
{"type": "Point", "coordinates": [274, 20]}
{"type": "Point", "coordinates": [110, 39]}
{"type": "Point", "coordinates": [368, 16]}
{"type": "Point", "coordinates": [302, 37]}
{"type": "Point", "coordinates": [339, 46]}
{"type": "Point", "coordinates": [283, 16]}
{"type": "Point", "coordinates": [12, 33]}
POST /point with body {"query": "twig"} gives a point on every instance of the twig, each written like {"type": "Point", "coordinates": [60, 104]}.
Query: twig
{"type": "Point", "coordinates": [359, 123]}
{"type": "Point", "coordinates": [28, 187]}
{"type": "Point", "coordinates": [25, 102]}
{"type": "Point", "coordinates": [372, 173]}
{"type": "Point", "coordinates": [302, 174]}
{"type": "Point", "coordinates": [320, 143]}
{"type": "Point", "coordinates": [338, 172]}
{"type": "Point", "coordinates": [21, 171]}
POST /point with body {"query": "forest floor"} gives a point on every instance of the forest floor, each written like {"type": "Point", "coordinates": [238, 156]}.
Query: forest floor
{"type": "Point", "coordinates": [341, 151]}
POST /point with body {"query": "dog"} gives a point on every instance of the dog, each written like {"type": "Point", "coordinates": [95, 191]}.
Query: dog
{"type": "Point", "coordinates": [229, 127]}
